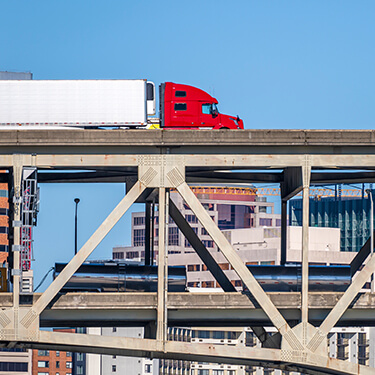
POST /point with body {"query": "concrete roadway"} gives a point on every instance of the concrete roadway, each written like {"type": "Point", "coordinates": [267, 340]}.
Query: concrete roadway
{"type": "Point", "coordinates": [190, 309]}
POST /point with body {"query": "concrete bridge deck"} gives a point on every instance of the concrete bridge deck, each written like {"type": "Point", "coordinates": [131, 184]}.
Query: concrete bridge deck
{"type": "Point", "coordinates": [192, 309]}
{"type": "Point", "coordinates": [215, 139]}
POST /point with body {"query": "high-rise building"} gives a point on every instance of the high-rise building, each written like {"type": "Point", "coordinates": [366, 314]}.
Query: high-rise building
{"type": "Point", "coordinates": [350, 214]}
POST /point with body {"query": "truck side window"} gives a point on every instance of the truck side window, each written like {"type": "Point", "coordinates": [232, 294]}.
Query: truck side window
{"type": "Point", "coordinates": [180, 107]}
{"type": "Point", "coordinates": [150, 91]}
{"type": "Point", "coordinates": [180, 94]}
{"type": "Point", "coordinates": [206, 109]}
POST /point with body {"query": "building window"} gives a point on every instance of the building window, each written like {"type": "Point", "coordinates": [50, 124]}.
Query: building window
{"type": "Point", "coordinates": [148, 369]}
{"type": "Point", "coordinates": [79, 356]}
{"type": "Point", "coordinates": [118, 255]}
{"type": "Point", "coordinates": [180, 107]}
{"type": "Point", "coordinates": [68, 354]}
{"type": "Point", "coordinates": [132, 254]}
{"type": "Point", "coordinates": [43, 353]}
{"type": "Point", "coordinates": [14, 366]}
{"type": "Point", "coordinates": [57, 354]}
{"type": "Point", "coordinates": [203, 334]}
{"type": "Point", "coordinates": [113, 368]}
{"type": "Point", "coordinates": [224, 266]}
{"type": "Point", "coordinates": [69, 364]}
{"type": "Point", "coordinates": [193, 284]}
{"type": "Point", "coordinates": [218, 335]}
{"type": "Point", "coordinates": [173, 236]}
{"type": "Point", "coordinates": [203, 372]}
{"type": "Point", "coordinates": [204, 232]}
{"type": "Point", "coordinates": [217, 372]}
{"type": "Point", "coordinates": [264, 222]}
{"type": "Point", "coordinates": [194, 267]}
{"type": "Point", "coordinates": [43, 364]}
{"type": "Point", "coordinates": [139, 220]}
{"type": "Point", "coordinates": [79, 370]}
{"type": "Point", "coordinates": [139, 237]}
{"type": "Point", "coordinates": [208, 243]}
{"type": "Point", "coordinates": [191, 219]}
{"type": "Point", "coordinates": [208, 284]}
{"type": "Point", "coordinates": [57, 364]}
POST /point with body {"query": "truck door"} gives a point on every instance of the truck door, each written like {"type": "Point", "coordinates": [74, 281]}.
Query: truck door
{"type": "Point", "coordinates": [184, 114]}
{"type": "Point", "coordinates": [209, 115]}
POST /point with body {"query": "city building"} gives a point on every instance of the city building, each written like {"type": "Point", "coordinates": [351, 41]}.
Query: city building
{"type": "Point", "coordinates": [230, 207]}
{"type": "Point", "coordinates": [4, 220]}
{"type": "Point", "coordinates": [350, 214]}
{"type": "Point", "coordinates": [54, 362]}
{"type": "Point", "coordinates": [11, 360]}
{"type": "Point", "coordinates": [97, 364]}
{"type": "Point", "coordinates": [15, 361]}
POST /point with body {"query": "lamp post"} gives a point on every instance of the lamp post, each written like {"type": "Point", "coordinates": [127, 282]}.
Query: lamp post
{"type": "Point", "coordinates": [76, 200]}
{"type": "Point", "coordinates": [369, 192]}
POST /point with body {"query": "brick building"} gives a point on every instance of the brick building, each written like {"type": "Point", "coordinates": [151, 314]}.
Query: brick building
{"type": "Point", "coordinates": [4, 226]}
{"type": "Point", "coordinates": [53, 362]}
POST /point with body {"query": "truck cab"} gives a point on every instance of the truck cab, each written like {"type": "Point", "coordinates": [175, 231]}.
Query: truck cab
{"type": "Point", "coordinates": [187, 107]}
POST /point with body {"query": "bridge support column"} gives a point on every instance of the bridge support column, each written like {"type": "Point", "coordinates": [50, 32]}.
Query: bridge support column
{"type": "Point", "coordinates": [161, 332]}
{"type": "Point", "coordinates": [306, 172]}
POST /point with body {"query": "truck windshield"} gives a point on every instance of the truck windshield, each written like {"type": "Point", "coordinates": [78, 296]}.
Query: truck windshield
{"type": "Point", "coordinates": [209, 109]}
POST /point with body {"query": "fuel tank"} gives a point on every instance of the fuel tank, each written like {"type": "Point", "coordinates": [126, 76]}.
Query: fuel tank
{"type": "Point", "coordinates": [120, 277]}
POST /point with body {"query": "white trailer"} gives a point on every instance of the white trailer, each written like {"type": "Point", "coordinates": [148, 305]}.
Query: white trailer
{"type": "Point", "coordinates": [77, 103]}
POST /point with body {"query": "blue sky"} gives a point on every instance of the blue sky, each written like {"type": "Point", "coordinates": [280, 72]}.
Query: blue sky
{"type": "Point", "coordinates": [277, 64]}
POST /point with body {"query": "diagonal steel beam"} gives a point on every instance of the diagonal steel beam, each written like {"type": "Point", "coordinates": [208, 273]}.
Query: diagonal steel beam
{"type": "Point", "coordinates": [361, 278]}
{"type": "Point", "coordinates": [87, 248]}
{"type": "Point", "coordinates": [200, 249]}
{"type": "Point", "coordinates": [232, 257]}
{"type": "Point", "coordinates": [341, 306]}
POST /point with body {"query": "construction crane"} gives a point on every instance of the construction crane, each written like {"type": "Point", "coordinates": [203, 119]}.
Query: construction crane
{"type": "Point", "coordinates": [315, 192]}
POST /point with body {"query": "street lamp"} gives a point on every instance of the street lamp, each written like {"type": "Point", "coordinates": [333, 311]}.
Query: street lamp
{"type": "Point", "coordinates": [76, 200]}
{"type": "Point", "coordinates": [369, 192]}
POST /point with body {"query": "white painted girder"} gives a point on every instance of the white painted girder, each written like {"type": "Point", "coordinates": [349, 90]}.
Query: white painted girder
{"type": "Point", "coordinates": [168, 171]}
{"type": "Point", "coordinates": [195, 352]}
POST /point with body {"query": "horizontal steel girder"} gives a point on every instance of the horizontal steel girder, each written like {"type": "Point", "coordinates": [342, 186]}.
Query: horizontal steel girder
{"type": "Point", "coordinates": [309, 363]}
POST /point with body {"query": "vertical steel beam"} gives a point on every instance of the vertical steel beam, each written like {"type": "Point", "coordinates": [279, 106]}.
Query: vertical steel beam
{"type": "Point", "coordinates": [161, 330]}
{"type": "Point", "coordinates": [306, 173]}
{"type": "Point", "coordinates": [284, 227]}
{"type": "Point", "coordinates": [148, 233]}
{"type": "Point", "coordinates": [16, 248]}
{"type": "Point", "coordinates": [233, 258]}
{"type": "Point", "coordinates": [87, 248]}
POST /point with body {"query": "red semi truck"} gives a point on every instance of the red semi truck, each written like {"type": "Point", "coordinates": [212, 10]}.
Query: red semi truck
{"type": "Point", "coordinates": [187, 107]}
{"type": "Point", "coordinates": [108, 103]}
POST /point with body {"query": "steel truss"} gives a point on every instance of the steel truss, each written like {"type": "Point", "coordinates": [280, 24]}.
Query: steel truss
{"type": "Point", "coordinates": [303, 347]}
